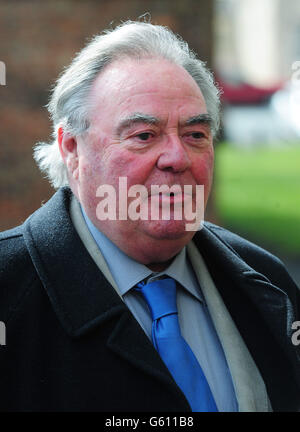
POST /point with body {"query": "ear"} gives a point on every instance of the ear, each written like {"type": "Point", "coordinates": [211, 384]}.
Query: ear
{"type": "Point", "coordinates": [68, 149]}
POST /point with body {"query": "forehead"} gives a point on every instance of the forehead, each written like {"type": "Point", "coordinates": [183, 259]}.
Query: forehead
{"type": "Point", "coordinates": [151, 86]}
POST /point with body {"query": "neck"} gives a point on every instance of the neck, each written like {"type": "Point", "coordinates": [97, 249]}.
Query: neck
{"type": "Point", "coordinates": [161, 266]}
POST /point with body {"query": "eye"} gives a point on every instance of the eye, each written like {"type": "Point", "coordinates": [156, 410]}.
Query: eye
{"type": "Point", "coordinates": [144, 136]}
{"type": "Point", "coordinates": [197, 135]}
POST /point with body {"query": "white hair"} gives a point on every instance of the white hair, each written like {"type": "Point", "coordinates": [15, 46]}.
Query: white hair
{"type": "Point", "coordinates": [68, 105]}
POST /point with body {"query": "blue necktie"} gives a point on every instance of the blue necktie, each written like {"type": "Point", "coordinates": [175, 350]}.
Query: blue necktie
{"type": "Point", "coordinates": [160, 296]}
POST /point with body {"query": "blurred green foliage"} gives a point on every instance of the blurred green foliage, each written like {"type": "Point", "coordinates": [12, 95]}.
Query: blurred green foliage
{"type": "Point", "coordinates": [258, 194]}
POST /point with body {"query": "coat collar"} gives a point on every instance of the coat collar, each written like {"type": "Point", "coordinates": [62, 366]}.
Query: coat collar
{"type": "Point", "coordinates": [83, 298]}
{"type": "Point", "coordinates": [69, 275]}
{"type": "Point", "coordinates": [73, 283]}
{"type": "Point", "coordinates": [270, 301]}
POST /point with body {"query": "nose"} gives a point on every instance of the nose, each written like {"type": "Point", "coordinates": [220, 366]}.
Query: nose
{"type": "Point", "coordinates": [173, 156]}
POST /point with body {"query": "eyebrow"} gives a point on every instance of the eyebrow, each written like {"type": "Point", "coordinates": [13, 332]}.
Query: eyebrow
{"type": "Point", "coordinates": [198, 119]}
{"type": "Point", "coordinates": [136, 118]}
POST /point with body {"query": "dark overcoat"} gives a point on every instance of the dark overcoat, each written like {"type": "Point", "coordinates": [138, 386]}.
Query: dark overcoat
{"type": "Point", "coordinates": [73, 345]}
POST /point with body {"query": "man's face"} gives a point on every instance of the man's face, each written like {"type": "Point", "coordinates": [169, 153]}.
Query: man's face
{"type": "Point", "coordinates": [143, 126]}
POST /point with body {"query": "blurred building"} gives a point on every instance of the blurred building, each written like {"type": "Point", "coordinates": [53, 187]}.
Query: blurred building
{"type": "Point", "coordinates": [257, 46]}
{"type": "Point", "coordinates": [38, 39]}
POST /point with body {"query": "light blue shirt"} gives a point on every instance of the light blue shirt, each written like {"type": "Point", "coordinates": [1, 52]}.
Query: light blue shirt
{"type": "Point", "coordinates": [195, 322]}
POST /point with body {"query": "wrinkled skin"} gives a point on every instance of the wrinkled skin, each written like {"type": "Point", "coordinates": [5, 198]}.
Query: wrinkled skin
{"type": "Point", "coordinates": [167, 152]}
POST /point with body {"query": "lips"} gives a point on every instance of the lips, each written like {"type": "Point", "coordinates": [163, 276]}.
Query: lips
{"type": "Point", "coordinates": [172, 198]}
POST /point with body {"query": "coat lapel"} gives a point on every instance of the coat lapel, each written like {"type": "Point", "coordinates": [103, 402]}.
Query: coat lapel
{"type": "Point", "coordinates": [228, 269]}
{"type": "Point", "coordinates": [81, 296]}
{"type": "Point", "coordinates": [249, 387]}
{"type": "Point", "coordinates": [84, 300]}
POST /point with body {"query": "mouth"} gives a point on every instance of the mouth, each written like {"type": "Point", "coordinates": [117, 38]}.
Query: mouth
{"type": "Point", "coordinates": [172, 198]}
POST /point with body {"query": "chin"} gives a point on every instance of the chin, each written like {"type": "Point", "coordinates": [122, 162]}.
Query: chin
{"type": "Point", "coordinates": [168, 230]}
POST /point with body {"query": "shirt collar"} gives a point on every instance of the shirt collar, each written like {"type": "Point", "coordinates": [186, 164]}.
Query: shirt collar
{"type": "Point", "coordinates": [181, 270]}
{"type": "Point", "coordinates": [127, 272]}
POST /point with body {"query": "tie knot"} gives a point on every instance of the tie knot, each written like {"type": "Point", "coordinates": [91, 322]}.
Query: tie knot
{"type": "Point", "coordinates": [160, 296]}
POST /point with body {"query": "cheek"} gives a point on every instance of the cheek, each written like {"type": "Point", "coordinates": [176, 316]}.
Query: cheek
{"type": "Point", "coordinates": [90, 169]}
{"type": "Point", "coordinates": [135, 167]}
{"type": "Point", "coordinates": [210, 163]}
{"type": "Point", "coordinates": [90, 178]}
{"type": "Point", "coordinates": [203, 168]}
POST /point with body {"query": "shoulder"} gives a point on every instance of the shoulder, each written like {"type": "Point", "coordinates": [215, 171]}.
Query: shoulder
{"type": "Point", "coordinates": [27, 250]}
{"type": "Point", "coordinates": [242, 246]}
{"type": "Point", "coordinates": [255, 256]}
{"type": "Point", "coordinates": [17, 272]}
{"type": "Point", "coordinates": [12, 247]}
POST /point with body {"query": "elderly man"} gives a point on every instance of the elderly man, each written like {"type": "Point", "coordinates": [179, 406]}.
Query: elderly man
{"type": "Point", "coordinates": [117, 307]}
